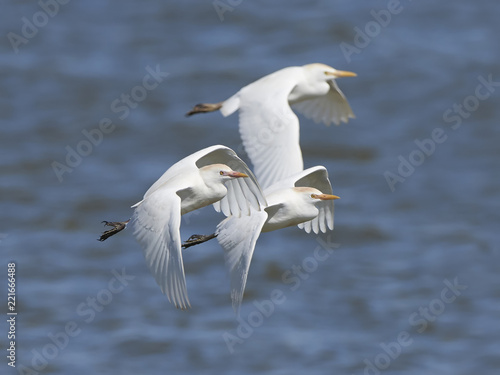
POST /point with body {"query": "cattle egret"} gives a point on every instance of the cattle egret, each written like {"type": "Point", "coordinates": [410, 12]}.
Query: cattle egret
{"type": "Point", "coordinates": [206, 177]}
{"type": "Point", "coordinates": [269, 128]}
{"type": "Point", "coordinates": [304, 199]}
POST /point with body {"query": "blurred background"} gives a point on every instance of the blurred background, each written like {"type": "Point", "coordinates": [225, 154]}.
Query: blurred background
{"type": "Point", "coordinates": [408, 281]}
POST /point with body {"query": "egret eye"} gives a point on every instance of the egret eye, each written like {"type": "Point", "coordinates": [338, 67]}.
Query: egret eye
{"type": "Point", "coordinates": [313, 196]}
{"type": "Point", "coordinates": [221, 173]}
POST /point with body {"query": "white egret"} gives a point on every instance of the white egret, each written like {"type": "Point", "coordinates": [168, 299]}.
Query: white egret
{"type": "Point", "coordinates": [269, 128]}
{"type": "Point", "coordinates": [203, 178]}
{"type": "Point", "coordinates": [304, 199]}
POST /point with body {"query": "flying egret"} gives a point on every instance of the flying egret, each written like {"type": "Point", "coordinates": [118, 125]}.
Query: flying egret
{"type": "Point", "coordinates": [206, 177]}
{"type": "Point", "coordinates": [269, 128]}
{"type": "Point", "coordinates": [304, 199]}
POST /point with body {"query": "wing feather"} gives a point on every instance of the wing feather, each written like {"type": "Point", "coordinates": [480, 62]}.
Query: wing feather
{"type": "Point", "coordinates": [271, 140]}
{"type": "Point", "coordinates": [237, 236]}
{"type": "Point", "coordinates": [332, 107]}
{"type": "Point", "coordinates": [317, 177]}
{"type": "Point", "coordinates": [243, 193]}
{"type": "Point", "coordinates": [156, 223]}
{"type": "Point", "coordinates": [269, 128]}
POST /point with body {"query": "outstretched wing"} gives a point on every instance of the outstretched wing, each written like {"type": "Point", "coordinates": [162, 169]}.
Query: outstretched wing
{"type": "Point", "coordinates": [332, 107]}
{"type": "Point", "coordinates": [156, 223]}
{"type": "Point", "coordinates": [237, 236]}
{"type": "Point", "coordinates": [269, 128]}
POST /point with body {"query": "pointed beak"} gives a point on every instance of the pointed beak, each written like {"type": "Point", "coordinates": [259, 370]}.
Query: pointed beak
{"type": "Point", "coordinates": [326, 197]}
{"type": "Point", "coordinates": [235, 174]}
{"type": "Point", "coordinates": [341, 74]}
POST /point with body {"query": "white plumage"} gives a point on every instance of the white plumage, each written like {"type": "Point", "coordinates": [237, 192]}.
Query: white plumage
{"type": "Point", "coordinates": [270, 129]}
{"type": "Point", "coordinates": [206, 177]}
{"type": "Point", "coordinates": [304, 199]}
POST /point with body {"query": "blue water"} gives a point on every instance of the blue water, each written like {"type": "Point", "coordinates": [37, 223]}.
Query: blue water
{"type": "Point", "coordinates": [406, 283]}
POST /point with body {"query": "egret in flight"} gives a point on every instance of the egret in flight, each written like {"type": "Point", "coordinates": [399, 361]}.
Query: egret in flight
{"type": "Point", "coordinates": [269, 128]}
{"type": "Point", "coordinates": [304, 199]}
{"type": "Point", "coordinates": [206, 177]}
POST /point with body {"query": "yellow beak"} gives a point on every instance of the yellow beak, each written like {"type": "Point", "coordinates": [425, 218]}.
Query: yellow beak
{"type": "Point", "coordinates": [341, 73]}
{"type": "Point", "coordinates": [235, 174]}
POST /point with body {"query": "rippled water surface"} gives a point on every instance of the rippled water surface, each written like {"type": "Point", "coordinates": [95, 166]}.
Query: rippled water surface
{"type": "Point", "coordinates": [406, 283]}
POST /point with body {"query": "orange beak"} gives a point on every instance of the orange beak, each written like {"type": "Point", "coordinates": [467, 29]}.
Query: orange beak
{"type": "Point", "coordinates": [235, 174]}
{"type": "Point", "coordinates": [325, 197]}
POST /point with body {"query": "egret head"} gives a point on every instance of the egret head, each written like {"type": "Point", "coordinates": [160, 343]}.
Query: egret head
{"type": "Point", "coordinates": [327, 73]}
{"type": "Point", "coordinates": [219, 173]}
{"type": "Point", "coordinates": [313, 196]}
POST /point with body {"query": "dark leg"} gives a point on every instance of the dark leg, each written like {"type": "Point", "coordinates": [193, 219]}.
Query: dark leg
{"type": "Point", "coordinates": [203, 108]}
{"type": "Point", "coordinates": [196, 239]}
{"type": "Point", "coordinates": [118, 226]}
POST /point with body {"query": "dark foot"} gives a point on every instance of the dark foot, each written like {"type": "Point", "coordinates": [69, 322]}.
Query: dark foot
{"type": "Point", "coordinates": [196, 239]}
{"type": "Point", "coordinates": [203, 108]}
{"type": "Point", "coordinates": [118, 226]}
